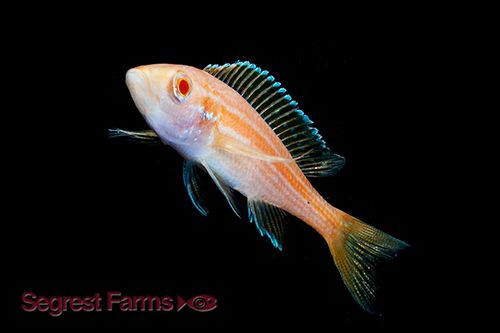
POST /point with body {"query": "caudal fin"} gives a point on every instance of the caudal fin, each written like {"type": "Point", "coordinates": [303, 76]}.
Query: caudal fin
{"type": "Point", "coordinates": [357, 251]}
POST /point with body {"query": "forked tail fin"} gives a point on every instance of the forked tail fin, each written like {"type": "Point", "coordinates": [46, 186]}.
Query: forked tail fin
{"type": "Point", "coordinates": [357, 250]}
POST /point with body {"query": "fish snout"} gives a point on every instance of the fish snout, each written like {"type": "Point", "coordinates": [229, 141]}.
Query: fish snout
{"type": "Point", "coordinates": [135, 77]}
{"type": "Point", "coordinates": [140, 88]}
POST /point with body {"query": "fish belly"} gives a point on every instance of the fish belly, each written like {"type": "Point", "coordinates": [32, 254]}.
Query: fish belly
{"type": "Point", "coordinates": [279, 184]}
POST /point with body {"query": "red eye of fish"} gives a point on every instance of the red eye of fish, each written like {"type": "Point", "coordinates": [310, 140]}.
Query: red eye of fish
{"type": "Point", "coordinates": [183, 87]}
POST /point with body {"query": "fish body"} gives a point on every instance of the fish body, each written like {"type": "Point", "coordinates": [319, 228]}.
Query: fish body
{"type": "Point", "coordinates": [238, 124]}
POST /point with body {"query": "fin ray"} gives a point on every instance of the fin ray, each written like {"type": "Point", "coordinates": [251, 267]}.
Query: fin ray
{"type": "Point", "coordinates": [236, 147]}
{"type": "Point", "coordinates": [143, 136]}
{"type": "Point", "coordinates": [281, 113]}
{"type": "Point", "coordinates": [224, 188]}
{"type": "Point", "coordinates": [269, 220]}
{"type": "Point", "coordinates": [357, 250]}
{"type": "Point", "coordinates": [191, 179]}
{"type": "Point", "coordinates": [322, 166]}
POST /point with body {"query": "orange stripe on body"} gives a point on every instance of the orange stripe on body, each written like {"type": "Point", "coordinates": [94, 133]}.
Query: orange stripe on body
{"type": "Point", "coordinates": [303, 200]}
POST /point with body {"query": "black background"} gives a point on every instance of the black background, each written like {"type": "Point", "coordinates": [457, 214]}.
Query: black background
{"type": "Point", "coordinates": [99, 215]}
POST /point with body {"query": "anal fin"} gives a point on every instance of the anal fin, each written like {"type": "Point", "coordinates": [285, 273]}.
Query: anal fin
{"type": "Point", "coordinates": [270, 221]}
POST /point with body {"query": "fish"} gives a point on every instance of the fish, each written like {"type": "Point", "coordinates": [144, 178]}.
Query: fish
{"type": "Point", "coordinates": [237, 124]}
{"type": "Point", "coordinates": [200, 303]}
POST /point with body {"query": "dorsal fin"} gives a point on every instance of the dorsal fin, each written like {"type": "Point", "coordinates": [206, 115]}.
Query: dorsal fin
{"type": "Point", "coordinates": [282, 115]}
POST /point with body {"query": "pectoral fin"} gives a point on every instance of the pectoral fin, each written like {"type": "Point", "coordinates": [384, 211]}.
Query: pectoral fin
{"type": "Point", "coordinates": [234, 146]}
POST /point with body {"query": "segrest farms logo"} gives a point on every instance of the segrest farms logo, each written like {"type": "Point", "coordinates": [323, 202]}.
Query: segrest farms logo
{"type": "Point", "coordinates": [114, 301]}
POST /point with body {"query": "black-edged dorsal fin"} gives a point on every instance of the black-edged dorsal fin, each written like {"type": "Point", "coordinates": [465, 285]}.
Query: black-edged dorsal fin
{"type": "Point", "coordinates": [280, 112]}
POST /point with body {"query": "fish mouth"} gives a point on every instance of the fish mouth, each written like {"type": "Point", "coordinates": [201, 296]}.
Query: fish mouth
{"type": "Point", "coordinates": [149, 104]}
{"type": "Point", "coordinates": [142, 93]}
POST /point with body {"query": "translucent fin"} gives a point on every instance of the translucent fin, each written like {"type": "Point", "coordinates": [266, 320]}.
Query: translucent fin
{"type": "Point", "coordinates": [144, 136]}
{"type": "Point", "coordinates": [282, 115]}
{"type": "Point", "coordinates": [324, 165]}
{"type": "Point", "coordinates": [270, 221]}
{"type": "Point", "coordinates": [357, 251]}
{"type": "Point", "coordinates": [236, 147]}
{"type": "Point", "coordinates": [226, 190]}
{"type": "Point", "coordinates": [192, 182]}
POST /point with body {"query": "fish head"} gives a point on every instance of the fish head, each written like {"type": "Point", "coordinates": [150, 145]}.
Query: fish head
{"type": "Point", "coordinates": [170, 98]}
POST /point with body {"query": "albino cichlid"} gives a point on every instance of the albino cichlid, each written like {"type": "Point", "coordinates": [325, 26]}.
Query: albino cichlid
{"type": "Point", "coordinates": [237, 123]}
